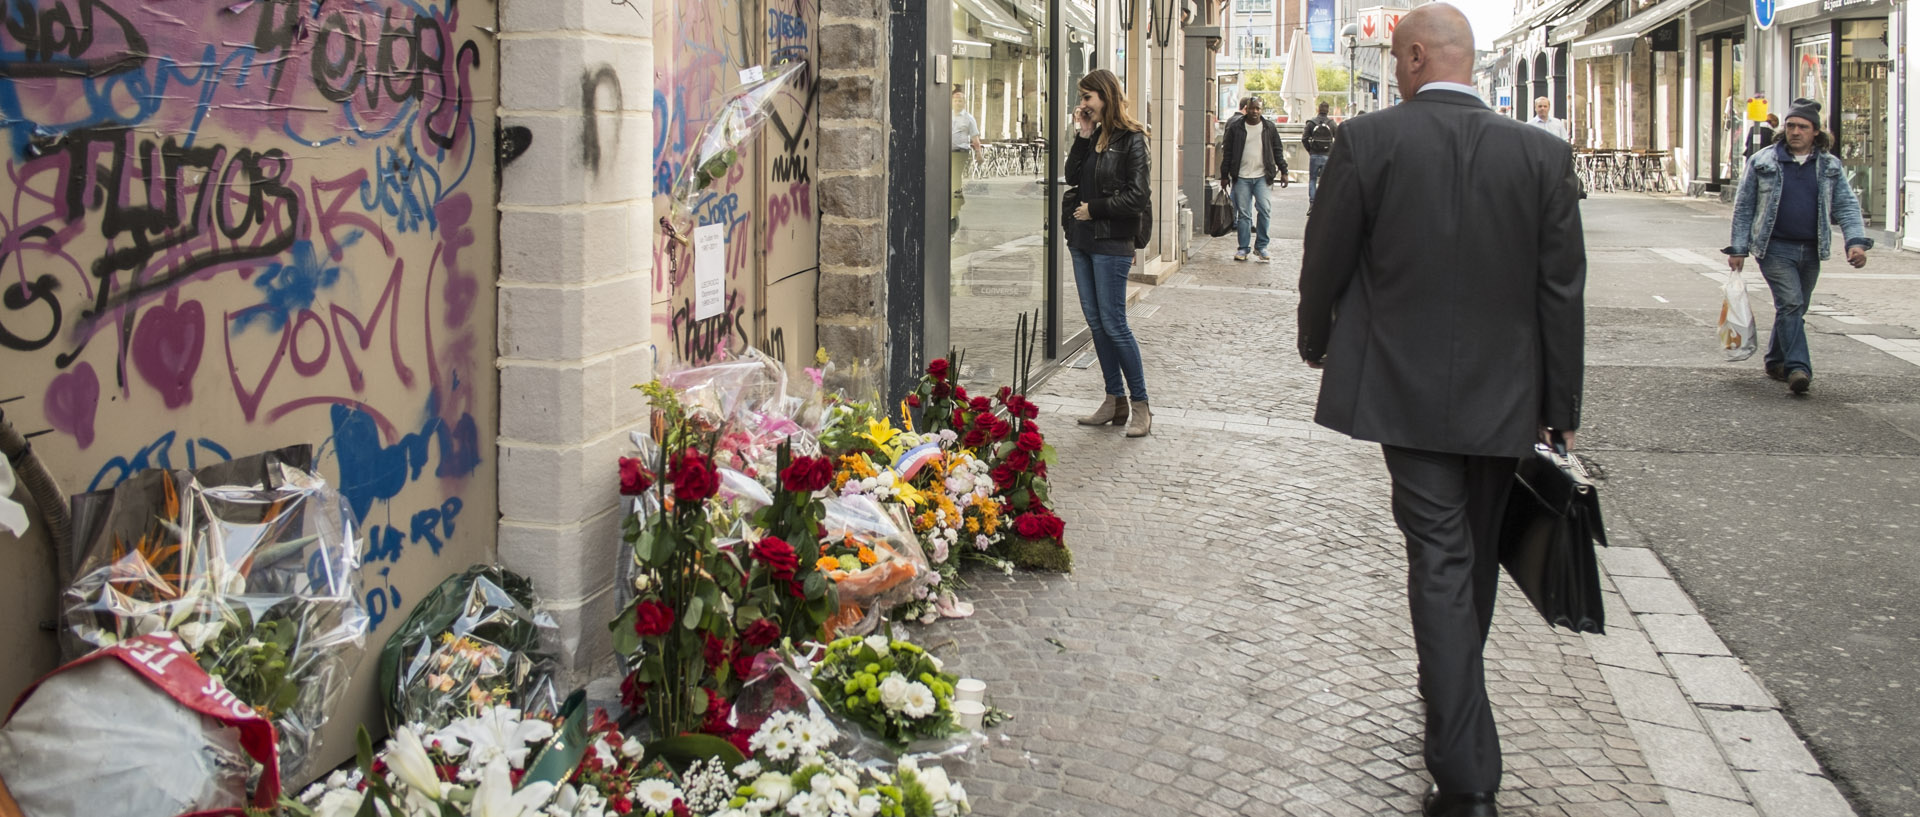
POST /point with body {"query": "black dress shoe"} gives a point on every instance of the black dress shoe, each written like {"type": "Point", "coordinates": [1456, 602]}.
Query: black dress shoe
{"type": "Point", "coordinates": [1472, 804]}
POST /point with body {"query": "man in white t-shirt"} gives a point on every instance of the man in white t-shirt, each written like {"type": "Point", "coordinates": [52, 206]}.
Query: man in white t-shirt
{"type": "Point", "coordinates": [1543, 118]}
{"type": "Point", "coordinates": [965, 146]}
{"type": "Point", "coordinates": [1250, 159]}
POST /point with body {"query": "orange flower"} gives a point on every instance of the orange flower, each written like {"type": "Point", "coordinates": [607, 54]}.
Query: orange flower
{"type": "Point", "coordinates": [828, 563]}
{"type": "Point", "coordinates": [867, 556]}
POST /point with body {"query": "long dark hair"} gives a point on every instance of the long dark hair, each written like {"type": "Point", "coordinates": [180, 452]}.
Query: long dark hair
{"type": "Point", "coordinates": [1114, 115]}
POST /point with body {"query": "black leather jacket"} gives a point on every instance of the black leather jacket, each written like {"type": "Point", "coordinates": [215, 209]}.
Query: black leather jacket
{"type": "Point", "coordinates": [1273, 154]}
{"type": "Point", "coordinates": [1123, 177]}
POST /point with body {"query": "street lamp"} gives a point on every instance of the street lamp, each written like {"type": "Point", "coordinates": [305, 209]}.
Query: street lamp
{"type": "Point", "coordinates": [1352, 33]}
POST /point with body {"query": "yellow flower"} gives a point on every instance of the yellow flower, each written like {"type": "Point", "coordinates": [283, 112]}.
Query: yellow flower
{"type": "Point", "coordinates": [909, 494]}
{"type": "Point", "coordinates": [880, 430]}
{"type": "Point", "coordinates": [973, 524]}
{"type": "Point", "coordinates": [827, 563]}
{"type": "Point", "coordinates": [867, 556]}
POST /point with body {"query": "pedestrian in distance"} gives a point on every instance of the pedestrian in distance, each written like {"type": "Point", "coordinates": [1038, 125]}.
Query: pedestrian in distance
{"type": "Point", "coordinates": [1111, 177]}
{"type": "Point", "coordinates": [1543, 119]}
{"type": "Point", "coordinates": [964, 148]}
{"type": "Point", "coordinates": [1760, 136]}
{"type": "Point", "coordinates": [1788, 197]}
{"type": "Point", "coordinates": [1317, 137]}
{"type": "Point", "coordinates": [1250, 159]}
{"type": "Point", "coordinates": [1441, 295]}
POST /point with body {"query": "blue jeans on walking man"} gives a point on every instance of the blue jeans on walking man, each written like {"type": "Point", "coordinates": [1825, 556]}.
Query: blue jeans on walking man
{"type": "Point", "coordinates": [1316, 162]}
{"type": "Point", "coordinates": [1102, 281]}
{"type": "Point", "coordinates": [1791, 269]}
{"type": "Point", "coordinates": [1252, 192]}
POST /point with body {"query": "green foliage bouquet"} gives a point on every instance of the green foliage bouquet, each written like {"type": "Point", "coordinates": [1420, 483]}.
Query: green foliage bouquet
{"type": "Point", "coordinates": [890, 686]}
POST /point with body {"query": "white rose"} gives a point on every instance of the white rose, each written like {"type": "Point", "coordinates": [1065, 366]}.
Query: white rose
{"type": "Point", "coordinates": [935, 781]}
{"type": "Point", "coordinates": [632, 749]}
{"type": "Point", "coordinates": [773, 786]}
{"type": "Point", "coordinates": [894, 690]}
{"type": "Point", "coordinates": [957, 796]}
{"type": "Point", "coordinates": [339, 803]}
{"type": "Point", "coordinates": [877, 643]}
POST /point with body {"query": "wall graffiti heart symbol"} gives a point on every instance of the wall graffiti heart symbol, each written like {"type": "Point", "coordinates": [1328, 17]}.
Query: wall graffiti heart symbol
{"type": "Point", "coordinates": [166, 349]}
{"type": "Point", "coordinates": [71, 400]}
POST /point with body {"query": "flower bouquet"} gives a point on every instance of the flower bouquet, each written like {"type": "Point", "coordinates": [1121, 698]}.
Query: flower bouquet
{"type": "Point", "coordinates": [253, 563]}
{"type": "Point", "coordinates": [473, 643]}
{"type": "Point", "coordinates": [887, 685]}
{"type": "Point", "coordinates": [795, 770]}
{"type": "Point", "coordinates": [874, 563]}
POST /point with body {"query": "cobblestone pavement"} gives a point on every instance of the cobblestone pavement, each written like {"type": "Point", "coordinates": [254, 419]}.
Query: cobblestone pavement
{"type": "Point", "coordinates": [1234, 638]}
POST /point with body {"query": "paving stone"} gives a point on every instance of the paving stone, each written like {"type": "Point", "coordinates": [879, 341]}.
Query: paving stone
{"type": "Point", "coordinates": [1627, 649]}
{"type": "Point", "coordinates": [1654, 595]}
{"type": "Point", "coordinates": [1651, 698]}
{"type": "Point", "coordinates": [1690, 635]}
{"type": "Point", "coordinates": [1759, 741]}
{"type": "Point", "coordinates": [1688, 804]}
{"type": "Point", "coordinates": [1785, 794]}
{"type": "Point", "coordinates": [1632, 561]}
{"type": "Point", "coordinates": [1718, 680]}
{"type": "Point", "coordinates": [1686, 760]}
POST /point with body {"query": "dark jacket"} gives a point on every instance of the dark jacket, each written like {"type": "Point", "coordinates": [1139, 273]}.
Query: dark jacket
{"type": "Point", "coordinates": [1443, 280]}
{"type": "Point", "coordinates": [1123, 176]}
{"type": "Point", "coordinates": [1318, 140]}
{"type": "Point", "coordinates": [1235, 140]}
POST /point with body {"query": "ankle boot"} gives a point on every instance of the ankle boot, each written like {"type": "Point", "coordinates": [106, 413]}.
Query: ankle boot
{"type": "Point", "coordinates": [1114, 411]}
{"type": "Point", "coordinates": [1141, 421]}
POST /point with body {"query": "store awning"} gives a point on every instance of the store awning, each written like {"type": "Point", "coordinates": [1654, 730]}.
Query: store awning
{"type": "Point", "coordinates": [1568, 28]}
{"type": "Point", "coordinates": [996, 22]}
{"type": "Point", "coordinates": [1527, 24]}
{"type": "Point", "coordinates": [1078, 15]}
{"type": "Point", "coordinates": [1619, 39]}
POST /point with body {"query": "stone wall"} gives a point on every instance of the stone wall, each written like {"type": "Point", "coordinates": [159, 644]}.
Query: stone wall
{"type": "Point", "coordinates": [853, 183]}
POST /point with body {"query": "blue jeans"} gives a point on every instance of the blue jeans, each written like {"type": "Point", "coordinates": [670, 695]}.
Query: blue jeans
{"type": "Point", "coordinates": [1252, 192]}
{"type": "Point", "coordinates": [1316, 162]}
{"type": "Point", "coordinates": [1791, 268]}
{"type": "Point", "coordinates": [1102, 280]}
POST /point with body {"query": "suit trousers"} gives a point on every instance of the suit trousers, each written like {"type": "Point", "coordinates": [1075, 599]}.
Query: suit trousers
{"type": "Point", "coordinates": [1449, 507]}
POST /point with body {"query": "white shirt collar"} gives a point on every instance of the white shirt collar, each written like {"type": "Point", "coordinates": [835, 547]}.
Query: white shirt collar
{"type": "Point", "coordinates": [1456, 87]}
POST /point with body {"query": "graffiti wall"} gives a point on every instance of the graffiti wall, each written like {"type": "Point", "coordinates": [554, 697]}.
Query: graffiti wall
{"type": "Point", "coordinates": [766, 200]}
{"type": "Point", "coordinates": [233, 225]}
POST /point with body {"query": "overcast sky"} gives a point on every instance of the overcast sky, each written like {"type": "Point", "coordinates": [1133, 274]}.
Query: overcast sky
{"type": "Point", "coordinates": [1490, 19]}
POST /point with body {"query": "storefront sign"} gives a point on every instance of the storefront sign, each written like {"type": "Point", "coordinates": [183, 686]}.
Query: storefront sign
{"type": "Point", "coordinates": [1824, 9]}
{"type": "Point", "coordinates": [1665, 38]}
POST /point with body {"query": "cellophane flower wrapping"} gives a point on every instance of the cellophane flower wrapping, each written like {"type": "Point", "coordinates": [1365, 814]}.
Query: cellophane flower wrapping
{"type": "Point", "coordinates": [254, 564]}
{"type": "Point", "coordinates": [887, 566]}
{"type": "Point", "coordinates": [474, 642]}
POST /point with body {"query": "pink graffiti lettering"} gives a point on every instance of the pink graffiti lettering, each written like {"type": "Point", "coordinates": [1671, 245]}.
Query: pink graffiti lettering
{"type": "Point", "coordinates": [71, 400]}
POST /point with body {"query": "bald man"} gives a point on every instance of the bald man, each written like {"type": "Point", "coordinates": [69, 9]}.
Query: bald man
{"type": "Point", "coordinates": [1441, 294]}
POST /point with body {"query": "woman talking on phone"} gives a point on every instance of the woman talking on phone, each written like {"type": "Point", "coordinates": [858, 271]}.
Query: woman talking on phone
{"type": "Point", "coordinates": [1106, 205]}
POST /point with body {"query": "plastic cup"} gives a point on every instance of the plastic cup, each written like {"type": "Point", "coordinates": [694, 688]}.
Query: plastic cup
{"type": "Point", "coordinates": [970, 689]}
{"type": "Point", "coordinates": [969, 714]}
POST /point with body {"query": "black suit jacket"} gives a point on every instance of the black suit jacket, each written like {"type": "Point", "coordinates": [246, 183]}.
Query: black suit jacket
{"type": "Point", "coordinates": [1443, 280]}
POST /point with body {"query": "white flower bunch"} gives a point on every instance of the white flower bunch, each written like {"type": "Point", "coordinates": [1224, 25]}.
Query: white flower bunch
{"type": "Point", "coordinates": [948, 797]}
{"type": "Point", "coordinates": [791, 736]}
{"type": "Point", "coordinates": [910, 698]}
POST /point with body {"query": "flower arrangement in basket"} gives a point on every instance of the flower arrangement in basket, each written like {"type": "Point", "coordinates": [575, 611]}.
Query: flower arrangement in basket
{"type": "Point", "coordinates": [892, 687]}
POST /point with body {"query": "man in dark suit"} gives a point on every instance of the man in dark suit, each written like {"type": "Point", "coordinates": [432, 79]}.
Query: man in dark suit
{"type": "Point", "coordinates": [1441, 293]}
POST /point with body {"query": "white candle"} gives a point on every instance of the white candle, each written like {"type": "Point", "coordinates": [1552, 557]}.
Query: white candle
{"type": "Point", "coordinates": [969, 714]}
{"type": "Point", "coordinates": [970, 689]}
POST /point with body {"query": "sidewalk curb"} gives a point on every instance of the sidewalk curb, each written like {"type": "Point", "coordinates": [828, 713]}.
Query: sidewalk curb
{"type": "Point", "coordinates": [1726, 749]}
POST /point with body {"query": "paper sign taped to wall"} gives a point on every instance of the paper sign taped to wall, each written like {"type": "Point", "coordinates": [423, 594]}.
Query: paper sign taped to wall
{"type": "Point", "coordinates": [709, 271]}
{"type": "Point", "coordinates": [752, 74]}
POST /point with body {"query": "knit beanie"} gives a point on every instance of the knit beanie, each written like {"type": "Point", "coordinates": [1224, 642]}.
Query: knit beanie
{"type": "Point", "coordinates": [1805, 109]}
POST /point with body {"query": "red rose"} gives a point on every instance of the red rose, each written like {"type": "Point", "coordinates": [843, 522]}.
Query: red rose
{"type": "Point", "coordinates": [1032, 441]}
{"type": "Point", "coordinates": [807, 474]}
{"type": "Point", "coordinates": [941, 390]}
{"type": "Point", "coordinates": [1001, 429]}
{"type": "Point", "coordinates": [693, 477]}
{"type": "Point", "coordinates": [960, 393]}
{"type": "Point", "coordinates": [1002, 477]}
{"type": "Point", "coordinates": [796, 589]}
{"type": "Point", "coordinates": [1056, 527]}
{"type": "Point", "coordinates": [717, 712]}
{"type": "Point", "coordinates": [1029, 410]}
{"type": "Point", "coordinates": [938, 368]}
{"type": "Point", "coordinates": [761, 633]}
{"type": "Point", "coordinates": [959, 418]}
{"type": "Point", "coordinates": [980, 404]}
{"type": "Point", "coordinates": [974, 439]}
{"type": "Point", "coordinates": [778, 556]}
{"type": "Point", "coordinates": [1030, 526]}
{"type": "Point", "coordinates": [651, 618]}
{"type": "Point", "coordinates": [633, 478]}
{"type": "Point", "coordinates": [1041, 472]}
{"type": "Point", "coordinates": [633, 694]}
{"type": "Point", "coordinates": [743, 665]}
{"type": "Point", "coordinates": [1019, 460]}
{"type": "Point", "coordinates": [680, 808]}
{"type": "Point", "coordinates": [913, 400]}
{"type": "Point", "coordinates": [1005, 392]}
{"type": "Point", "coordinates": [620, 805]}
{"type": "Point", "coordinates": [713, 650]}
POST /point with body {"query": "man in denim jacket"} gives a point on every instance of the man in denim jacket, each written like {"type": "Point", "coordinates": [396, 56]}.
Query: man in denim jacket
{"type": "Point", "coordinates": [1790, 194]}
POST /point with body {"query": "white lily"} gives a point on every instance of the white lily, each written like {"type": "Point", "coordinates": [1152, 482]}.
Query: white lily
{"type": "Point", "coordinates": [496, 797]}
{"type": "Point", "coordinates": [408, 759]}
{"type": "Point", "coordinates": [498, 732]}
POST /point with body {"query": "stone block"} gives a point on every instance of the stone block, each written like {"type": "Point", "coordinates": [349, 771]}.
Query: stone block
{"type": "Point", "coordinates": [859, 197]}
{"type": "Point", "coordinates": [572, 159]}
{"type": "Point", "coordinates": [1654, 595]}
{"type": "Point", "coordinates": [1759, 742]}
{"type": "Point", "coordinates": [1688, 804]}
{"type": "Point", "coordinates": [1646, 696]}
{"type": "Point", "coordinates": [565, 246]}
{"type": "Point", "coordinates": [1684, 635]}
{"type": "Point", "coordinates": [586, 645]}
{"type": "Point", "coordinates": [559, 485]}
{"type": "Point", "coordinates": [848, 343]}
{"type": "Point", "coordinates": [1718, 680]}
{"type": "Point", "coordinates": [857, 9]}
{"type": "Point", "coordinates": [626, 18]}
{"type": "Point", "coordinates": [849, 45]}
{"type": "Point", "coordinates": [1626, 649]}
{"type": "Point", "coordinates": [852, 245]}
{"type": "Point", "coordinates": [556, 405]}
{"type": "Point", "coordinates": [851, 97]}
{"type": "Point", "coordinates": [1632, 561]}
{"type": "Point", "coordinates": [567, 563]}
{"type": "Point", "coordinates": [557, 73]}
{"type": "Point", "coordinates": [1786, 794]}
{"type": "Point", "coordinates": [617, 315]}
{"type": "Point", "coordinates": [633, 367]}
{"type": "Point", "coordinates": [848, 147]}
{"type": "Point", "coordinates": [1686, 760]}
{"type": "Point", "coordinates": [850, 294]}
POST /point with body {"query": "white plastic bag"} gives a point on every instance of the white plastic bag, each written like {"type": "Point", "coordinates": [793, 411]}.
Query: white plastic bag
{"type": "Point", "coordinates": [1736, 330]}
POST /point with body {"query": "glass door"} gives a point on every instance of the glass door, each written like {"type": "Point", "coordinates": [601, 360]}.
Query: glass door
{"type": "Point", "coordinates": [1705, 109]}
{"type": "Point", "coordinates": [1079, 47]}
{"type": "Point", "coordinates": [1860, 135]}
{"type": "Point", "coordinates": [1000, 227]}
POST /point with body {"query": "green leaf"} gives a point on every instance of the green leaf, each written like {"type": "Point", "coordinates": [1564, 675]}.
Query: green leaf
{"type": "Point", "coordinates": [1049, 456]}
{"type": "Point", "coordinates": [684, 751]}
{"type": "Point", "coordinates": [1020, 499]}
{"type": "Point", "coordinates": [1040, 491]}
{"type": "Point", "coordinates": [363, 750]}
{"type": "Point", "coordinates": [696, 607]}
{"type": "Point", "coordinates": [625, 640]}
{"type": "Point", "coordinates": [815, 585]}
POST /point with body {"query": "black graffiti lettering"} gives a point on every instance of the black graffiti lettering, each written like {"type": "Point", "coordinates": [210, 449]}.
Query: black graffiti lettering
{"type": "Point", "coordinates": [791, 168]}
{"type": "Point", "coordinates": [175, 197]}
{"type": "Point", "coordinates": [57, 41]}
{"type": "Point", "coordinates": [24, 295]}
{"type": "Point", "coordinates": [389, 68]}
{"type": "Point", "coordinates": [777, 344]}
{"type": "Point", "coordinates": [702, 341]}
{"type": "Point", "coordinates": [468, 58]}
{"type": "Point", "coordinates": [590, 84]}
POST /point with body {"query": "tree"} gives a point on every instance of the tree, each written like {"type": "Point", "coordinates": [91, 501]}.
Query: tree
{"type": "Point", "coordinates": [1333, 82]}
{"type": "Point", "coordinates": [1264, 84]}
